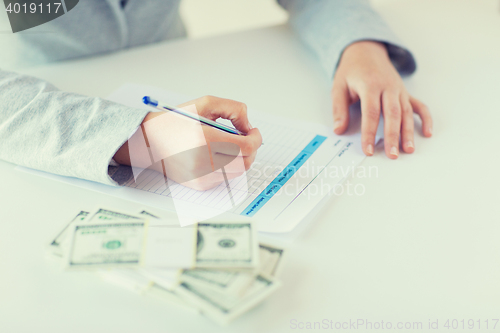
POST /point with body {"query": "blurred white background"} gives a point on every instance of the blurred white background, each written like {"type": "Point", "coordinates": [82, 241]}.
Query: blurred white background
{"type": "Point", "coordinates": [208, 18]}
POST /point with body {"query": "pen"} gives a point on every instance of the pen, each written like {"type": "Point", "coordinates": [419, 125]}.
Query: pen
{"type": "Point", "coordinates": [161, 106]}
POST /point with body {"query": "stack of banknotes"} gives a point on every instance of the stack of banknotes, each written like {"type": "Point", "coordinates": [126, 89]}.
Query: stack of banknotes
{"type": "Point", "coordinates": [216, 268]}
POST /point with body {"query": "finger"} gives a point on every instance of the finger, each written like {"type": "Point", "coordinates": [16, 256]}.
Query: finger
{"type": "Point", "coordinates": [248, 143]}
{"type": "Point", "coordinates": [407, 139]}
{"type": "Point", "coordinates": [231, 163]}
{"type": "Point", "coordinates": [226, 148]}
{"type": "Point", "coordinates": [248, 160]}
{"type": "Point", "coordinates": [391, 107]}
{"type": "Point", "coordinates": [227, 155]}
{"type": "Point", "coordinates": [424, 114]}
{"type": "Point", "coordinates": [214, 107]}
{"type": "Point", "coordinates": [370, 111]}
{"type": "Point", "coordinates": [341, 102]}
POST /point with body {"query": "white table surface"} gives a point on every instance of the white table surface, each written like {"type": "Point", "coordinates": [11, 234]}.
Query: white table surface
{"type": "Point", "coordinates": [421, 244]}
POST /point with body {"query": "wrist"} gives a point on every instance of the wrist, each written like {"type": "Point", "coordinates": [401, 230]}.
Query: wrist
{"type": "Point", "coordinates": [365, 54]}
{"type": "Point", "coordinates": [366, 47]}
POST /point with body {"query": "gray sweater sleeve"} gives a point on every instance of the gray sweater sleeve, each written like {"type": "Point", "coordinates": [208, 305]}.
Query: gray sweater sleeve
{"type": "Point", "coordinates": [47, 129]}
{"type": "Point", "coordinates": [327, 27]}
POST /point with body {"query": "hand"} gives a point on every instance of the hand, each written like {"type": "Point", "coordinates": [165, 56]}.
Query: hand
{"type": "Point", "coordinates": [366, 73]}
{"type": "Point", "coordinates": [190, 153]}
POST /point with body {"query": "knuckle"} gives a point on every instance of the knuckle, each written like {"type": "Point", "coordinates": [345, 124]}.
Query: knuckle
{"type": "Point", "coordinates": [247, 146]}
{"type": "Point", "coordinates": [252, 145]}
{"type": "Point", "coordinates": [407, 123]}
{"type": "Point", "coordinates": [243, 109]}
{"type": "Point", "coordinates": [374, 81]}
{"type": "Point", "coordinates": [372, 113]}
{"type": "Point", "coordinates": [207, 99]}
{"type": "Point", "coordinates": [407, 110]}
{"type": "Point", "coordinates": [393, 137]}
{"type": "Point", "coordinates": [421, 105]}
{"type": "Point", "coordinates": [393, 111]}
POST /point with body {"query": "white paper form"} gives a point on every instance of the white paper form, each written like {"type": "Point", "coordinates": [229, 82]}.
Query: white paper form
{"type": "Point", "coordinates": [290, 176]}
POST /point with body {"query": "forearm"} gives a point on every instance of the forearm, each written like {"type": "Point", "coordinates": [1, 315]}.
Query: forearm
{"type": "Point", "coordinates": [327, 27]}
{"type": "Point", "coordinates": [47, 129]}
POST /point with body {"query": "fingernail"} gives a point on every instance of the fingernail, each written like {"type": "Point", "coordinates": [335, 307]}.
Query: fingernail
{"type": "Point", "coordinates": [430, 130]}
{"type": "Point", "coordinates": [394, 151]}
{"type": "Point", "coordinates": [337, 125]}
{"type": "Point", "coordinates": [409, 144]}
{"type": "Point", "coordinates": [250, 126]}
{"type": "Point", "coordinates": [369, 149]}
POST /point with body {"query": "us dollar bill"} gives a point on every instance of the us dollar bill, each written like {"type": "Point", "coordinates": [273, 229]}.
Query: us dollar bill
{"type": "Point", "coordinates": [223, 308]}
{"type": "Point", "coordinates": [271, 260]}
{"type": "Point", "coordinates": [148, 214]}
{"type": "Point", "coordinates": [235, 283]}
{"type": "Point", "coordinates": [108, 215]}
{"type": "Point", "coordinates": [56, 245]}
{"type": "Point", "coordinates": [232, 283]}
{"type": "Point", "coordinates": [116, 244]}
{"type": "Point", "coordinates": [230, 271]}
{"type": "Point", "coordinates": [227, 245]}
{"type": "Point", "coordinates": [220, 246]}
